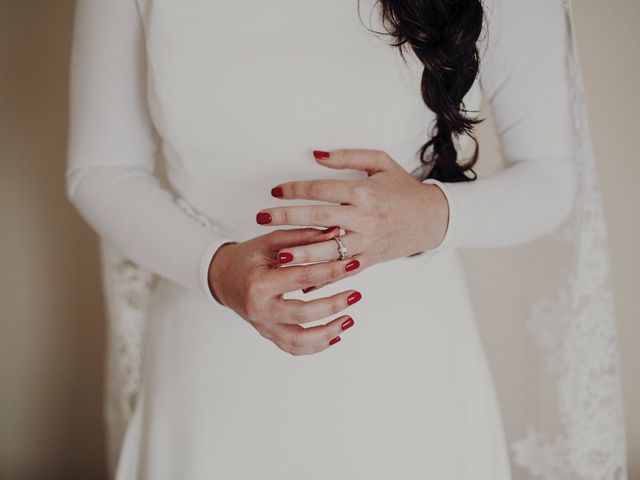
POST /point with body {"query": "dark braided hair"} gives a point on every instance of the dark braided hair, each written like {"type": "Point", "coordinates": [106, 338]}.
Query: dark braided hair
{"type": "Point", "coordinates": [443, 34]}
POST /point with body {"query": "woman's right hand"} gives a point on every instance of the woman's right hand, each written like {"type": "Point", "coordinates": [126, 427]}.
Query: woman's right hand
{"type": "Point", "coordinates": [247, 278]}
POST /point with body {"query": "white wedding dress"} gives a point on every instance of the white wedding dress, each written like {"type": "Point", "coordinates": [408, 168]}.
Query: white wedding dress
{"type": "Point", "coordinates": [236, 95]}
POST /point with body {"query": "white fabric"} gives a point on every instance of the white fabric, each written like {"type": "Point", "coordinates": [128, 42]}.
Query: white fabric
{"type": "Point", "coordinates": [111, 151]}
{"type": "Point", "coordinates": [237, 105]}
{"type": "Point", "coordinates": [111, 128]}
{"type": "Point", "coordinates": [524, 75]}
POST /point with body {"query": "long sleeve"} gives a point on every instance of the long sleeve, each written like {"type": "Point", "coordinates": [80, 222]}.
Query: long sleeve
{"type": "Point", "coordinates": [112, 142]}
{"type": "Point", "coordinates": [525, 77]}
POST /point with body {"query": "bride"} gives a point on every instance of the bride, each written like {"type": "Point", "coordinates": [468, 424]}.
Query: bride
{"type": "Point", "coordinates": [292, 174]}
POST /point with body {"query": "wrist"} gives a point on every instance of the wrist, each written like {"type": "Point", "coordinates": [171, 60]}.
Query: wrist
{"type": "Point", "coordinates": [217, 269]}
{"type": "Point", "coordinates": [438, 213]}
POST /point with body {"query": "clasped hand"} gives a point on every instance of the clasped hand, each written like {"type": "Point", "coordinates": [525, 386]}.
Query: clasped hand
{"type": "Point", "coordinates": [387, 215]}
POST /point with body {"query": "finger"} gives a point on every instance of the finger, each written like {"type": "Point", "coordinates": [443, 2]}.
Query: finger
{"type": "Point", "coordinates": [315, 215]}
{"type": "Point", "coordinates": [301, 340]}
{"type": "Point", "coordinates": [296, 277]}
{"type": "Point", "coordinates": [335, 191]}
{"type": "Point", "coordinates": [362, 260]}
{"type": "Point", "coordinates": [310, 350]}
{"type": "Point", "coordinates": [322, 251]}
{"type": "Point", "coordinates": [297, 312]}
{"type": "Point", "coordinates": [300, 236]}
{"type": "Point", "coordinates": [316, 348]}
{"type": "Point", "coordinates": [367, 160]}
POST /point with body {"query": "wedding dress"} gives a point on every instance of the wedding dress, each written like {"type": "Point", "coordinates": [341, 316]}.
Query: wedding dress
{"type": "Point", "coordinates": [183, 116]}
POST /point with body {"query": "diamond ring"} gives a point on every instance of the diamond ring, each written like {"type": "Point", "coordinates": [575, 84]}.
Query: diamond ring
{"type": "Point", "coordinates": [341, 248]}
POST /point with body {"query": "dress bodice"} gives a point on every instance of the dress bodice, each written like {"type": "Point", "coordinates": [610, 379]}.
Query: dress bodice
{"type": "Point", "coordinates": [240, 110]}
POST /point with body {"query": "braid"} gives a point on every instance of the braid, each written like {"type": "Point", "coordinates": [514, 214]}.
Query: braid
{"type": "Point", "coordinates": [443, 34]}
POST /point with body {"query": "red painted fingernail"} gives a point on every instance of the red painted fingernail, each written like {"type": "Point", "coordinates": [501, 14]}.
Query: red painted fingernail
{"type": "Point", "coordinates": [263, 218]}
{"type": "Point", "coordinates": [307, 290]}
{"type": "Point", "coordinates": [320, 154]}
{"type": "Point", "coordinates": [353, 298]}
{"type": "Point", "coordinates": [277, 191]}
{"type": "Point", "coordinates": [348, 323]}
{"type": "Point", "coordinates": [352, 265]}
{"type": "Point", "coordinates": [334, 340]}
{"type": "Point", "coordinates": [285, 257]}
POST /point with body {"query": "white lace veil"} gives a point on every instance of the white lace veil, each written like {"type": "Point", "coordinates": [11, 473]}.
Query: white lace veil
{"type": "Point", "coordinates": [572, 321]}
{"type": "Point", "coordinates": [572, 426]}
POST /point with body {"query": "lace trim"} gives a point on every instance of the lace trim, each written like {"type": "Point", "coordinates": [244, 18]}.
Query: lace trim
{"type": "Point", "coordinates": [133, 287]}
{"type": "Point", "coordinates": [202, 219]}
{"type": "Point", "coordinates": [577, 328]}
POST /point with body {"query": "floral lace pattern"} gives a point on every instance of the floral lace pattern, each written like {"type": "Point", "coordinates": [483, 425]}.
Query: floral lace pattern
{"type": "Point", "coordinates": [133, 288]}
{"type": "Point", "coordinates": [577, 328]}
{"type": "Point", "coordinates": [127, 289]}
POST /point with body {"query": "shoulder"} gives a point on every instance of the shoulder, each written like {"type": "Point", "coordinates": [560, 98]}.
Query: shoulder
{"type": "Point", "coordinates": [522, 34]}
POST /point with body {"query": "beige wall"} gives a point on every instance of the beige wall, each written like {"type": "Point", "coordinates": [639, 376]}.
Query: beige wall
{"type": "Point", "coordinates": [51, 318]}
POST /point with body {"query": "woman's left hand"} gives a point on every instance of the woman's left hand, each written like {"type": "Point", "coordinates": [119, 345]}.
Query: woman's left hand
{"type": "Point", "coordinates": [385, 216]}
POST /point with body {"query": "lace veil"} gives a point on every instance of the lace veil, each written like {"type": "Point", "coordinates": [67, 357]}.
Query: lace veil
{"type": "Point", "coordinates": [571, 319]}
{"type": "Point", "coordinates": [572, 417]}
